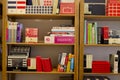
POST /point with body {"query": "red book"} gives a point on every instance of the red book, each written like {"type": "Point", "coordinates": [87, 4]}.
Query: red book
{"type": "Point", "coordinates": [46, 64]}
{"type": "Point", "coordinates": [105, 34]}
{"type": "Point", "coordinates": [31, 35]}
{"type": "Point", "coordinates": [38, 64]}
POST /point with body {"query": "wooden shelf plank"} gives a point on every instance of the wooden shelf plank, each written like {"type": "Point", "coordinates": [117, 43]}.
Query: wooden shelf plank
{"type": "Point", "coordinates": [41, 16]}
{"type": "Point", "coordinates": [101, 17]}
{"type": "Point", "coordinates": [103, 45]}
{"type": "Point", "coordinates": [59, 44]}
{"type": "Point", "coordinates": [35, 72]}
{"type": "Point", "coordinates": [102, 73]}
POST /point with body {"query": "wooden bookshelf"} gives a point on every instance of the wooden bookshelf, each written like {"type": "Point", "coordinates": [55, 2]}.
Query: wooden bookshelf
{"type": "Point", "coordinates": [74, 48]}
{"type": "Point", "coordinates": [83, 47]}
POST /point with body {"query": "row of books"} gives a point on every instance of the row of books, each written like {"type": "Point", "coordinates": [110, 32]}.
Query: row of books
{"type": "Point", "coordinates": [112, 65]}
{"type": "Point", "coordinates": [66, 62]}
{"type": "Point", "coordinates": [39, 64]}
{"type": "Point", "coordinates": [96, 78]}
{"type": "Point", "coordinates": [41, 6]}
{"type": "Point", "coordinates": [14, 32]}
{"type": "Point", "coordinates": [95, 66]}
{"type": "Point", "coordinates": [93, 34]}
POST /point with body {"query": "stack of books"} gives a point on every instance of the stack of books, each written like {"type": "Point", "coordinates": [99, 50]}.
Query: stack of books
{"type": "Point", "coordinates": [61, 35]}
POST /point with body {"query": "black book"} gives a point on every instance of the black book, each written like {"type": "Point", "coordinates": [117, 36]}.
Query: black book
{"type": "Point", "coordinates": [118, 53]}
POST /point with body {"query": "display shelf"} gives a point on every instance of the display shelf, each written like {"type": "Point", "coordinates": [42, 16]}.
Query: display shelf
{"type": "Point", "coordinates": [102, 17]}
{"type": "Point", "coordinates": [59, 44]}
{"type": "Point", "coordinates": [41, 16]}
{"type": "Point", "coordinates": [101, 73]}
{"type": "Point", "coordinates": [33, 72]}
{"type": "Point", "coordinates": [103, 45]}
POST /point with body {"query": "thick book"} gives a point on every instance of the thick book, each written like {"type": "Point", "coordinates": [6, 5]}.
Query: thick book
{"type": "Point", "coordinates": [39, 64]}
{"type": "Point", "coordinates": [47, 64]}
{"type": "Point", "coordinates": [31, 35]}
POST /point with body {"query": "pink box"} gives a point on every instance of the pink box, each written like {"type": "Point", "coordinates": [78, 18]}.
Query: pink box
{"type": "Point", "coordinates": [64, 39]}
{"type": "Point", "coordinates": [67, 8]}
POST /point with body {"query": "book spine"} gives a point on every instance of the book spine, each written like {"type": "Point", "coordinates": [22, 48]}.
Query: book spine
{"type": "Point", "coordinates": [38, 64]}
{"type": "Point", "coordinates": [19, 32]}
{"type": "Point", "coordinates": [72, 64]}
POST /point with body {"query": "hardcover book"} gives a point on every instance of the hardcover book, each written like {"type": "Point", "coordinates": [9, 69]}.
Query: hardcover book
{"type": "Point", "coordinates": [31, 35]}
{"type": "Point", "coordinates": [46, 64]}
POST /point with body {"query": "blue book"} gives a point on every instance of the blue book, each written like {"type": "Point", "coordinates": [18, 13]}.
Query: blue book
{"type": "Point", "coordinates": [72, 64]}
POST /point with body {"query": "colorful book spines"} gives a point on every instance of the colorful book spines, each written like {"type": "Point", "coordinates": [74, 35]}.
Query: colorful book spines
{"type": "Point", "coordinates": [14, 32]}
{"type": "Point", "coordinates": [90, 32]}
{"type": "Point", "coordinates": [67, 63]}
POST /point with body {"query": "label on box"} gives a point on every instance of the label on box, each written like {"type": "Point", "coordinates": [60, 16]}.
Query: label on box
{"type": "Point", "coordinates": [64, 39]}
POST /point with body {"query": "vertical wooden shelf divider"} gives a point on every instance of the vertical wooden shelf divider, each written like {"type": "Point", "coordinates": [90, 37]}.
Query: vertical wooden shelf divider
{"type": "Point", "coordinates": [4, 47]}
{"type": "Point", "coordinates": [76, 49]}
{"type": "Point", "coordinates": [81, 40]}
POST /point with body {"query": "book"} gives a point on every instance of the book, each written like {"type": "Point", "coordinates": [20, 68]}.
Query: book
{"type": "Point", "coordinates": [31, 35]}
{"type": "Point", "coordinates": [31, 63]}
{"type": "Point", "coordinates": [46, 64]}
{"type": "Point", "coordinates": [19, 32]}
{"type": "Point", "coordinates": [113, 59]}
{"type": "Point", "coordinates": [55, 4]}
{"type": "Point", "coordinates": [39, 64]}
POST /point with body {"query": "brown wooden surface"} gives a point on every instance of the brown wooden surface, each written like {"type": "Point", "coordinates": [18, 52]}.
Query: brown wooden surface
{"type": "Point", "coordinates": [74, 18]}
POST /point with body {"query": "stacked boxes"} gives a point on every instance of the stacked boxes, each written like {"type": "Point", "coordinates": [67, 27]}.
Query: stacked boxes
{"type": "Point", "coordinates": [113, 8]}
{"type": "Point", "coordinates": [16, 6]}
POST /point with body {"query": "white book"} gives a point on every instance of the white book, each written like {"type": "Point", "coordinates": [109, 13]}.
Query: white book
{"type": "Point", "coordinates": [63, 58]}
{"type": "Point", "coordinates": [55, 5]}
{"type": "Point", "coordinates": [113, 59]}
